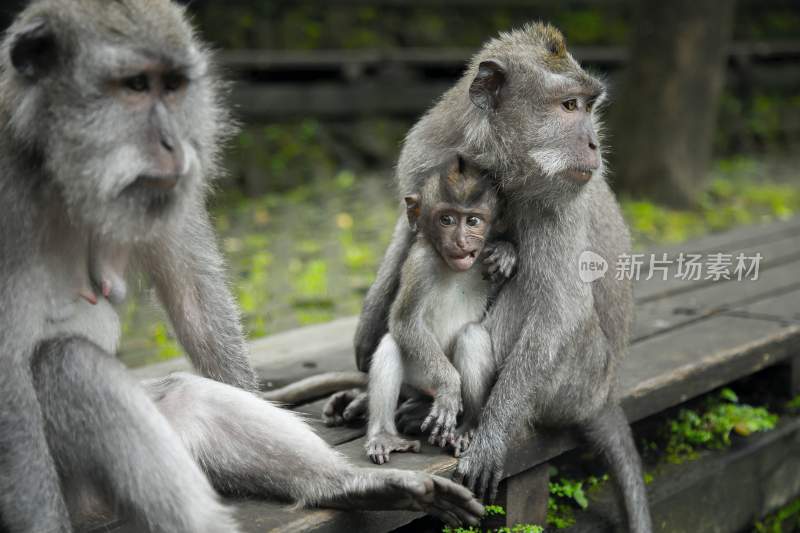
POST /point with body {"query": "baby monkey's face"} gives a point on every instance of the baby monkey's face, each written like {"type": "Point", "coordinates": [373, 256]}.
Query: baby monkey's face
{"type": "Point", "coordinates": [459, 234]}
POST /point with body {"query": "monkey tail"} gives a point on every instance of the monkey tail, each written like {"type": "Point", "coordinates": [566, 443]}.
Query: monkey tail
{"type": "Point", "coordinates": [610, 433]}
{"type": "Point", "coordinates": [317, 386]}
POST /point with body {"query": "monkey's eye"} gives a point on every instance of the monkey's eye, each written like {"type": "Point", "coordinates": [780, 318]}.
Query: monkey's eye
{"type": "Point", "coordinates": [473, 221]}
{"type": "Point", "coordinates": [590, 104]}
{"type": "Point", "coordinates": [138, 83]}
{"type": "Point", "coordinates": [570, 105]}
{"type": "Point", "coordinates": [447, 220]}
{"type": "Point", "coordinates": [174, 81]}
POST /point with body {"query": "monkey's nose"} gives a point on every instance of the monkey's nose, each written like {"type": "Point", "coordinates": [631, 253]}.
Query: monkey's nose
{"type": "Point", "coordinates": [592, 145]}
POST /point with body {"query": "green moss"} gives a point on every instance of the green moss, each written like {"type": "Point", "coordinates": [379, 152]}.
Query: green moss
{"type": "Point", "coordinates": [491, 512]}
{"type": "Point", "coordinates": [710, 428]}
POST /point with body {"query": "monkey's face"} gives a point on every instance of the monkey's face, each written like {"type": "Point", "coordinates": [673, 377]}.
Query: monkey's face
{"type": "Point", "coordinates": [121, 110]}
{"type": "Point", "coordinates": [540, 106]}
{"type": "Point", "coordinates": [458, 234]}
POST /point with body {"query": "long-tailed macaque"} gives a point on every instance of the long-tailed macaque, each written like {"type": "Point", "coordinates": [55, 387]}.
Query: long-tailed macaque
{"type": "Point", "coordinates": [112, 123]}
{"type": "Point", "coordinates": [526, 111]}
{"type": "Point", "coordinates": [435, 344]}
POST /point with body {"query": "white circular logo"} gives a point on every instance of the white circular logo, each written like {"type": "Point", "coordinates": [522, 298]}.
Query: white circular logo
{"type": "Point", "coordinates": [591, 266]}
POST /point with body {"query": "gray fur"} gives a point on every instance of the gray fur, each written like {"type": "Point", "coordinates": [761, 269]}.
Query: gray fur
{"type": "Point", "coordinates": [559, 340]}
{"type": "Point", "coordinates": [97, 176]}
{"type": "Point", "coordinates": [438, 303]}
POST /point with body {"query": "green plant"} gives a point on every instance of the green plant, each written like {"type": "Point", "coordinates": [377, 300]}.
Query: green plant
{"type": "Point", "coordinates": [784, 520]}
{"type": "Point", "coordinates": [492, 511]}
{"type": "Point", "coordinates": [565, 495]}
{"type": "Point", "coordinates": [711, 428]}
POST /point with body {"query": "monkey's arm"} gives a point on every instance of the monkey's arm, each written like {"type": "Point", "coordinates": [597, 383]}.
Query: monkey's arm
{"type": "Point", "coordinates": [188, 273]}
{"type": "Point", "coordinates": [373, 322]}
{"type": "Point", "coordinates": [536, 362]}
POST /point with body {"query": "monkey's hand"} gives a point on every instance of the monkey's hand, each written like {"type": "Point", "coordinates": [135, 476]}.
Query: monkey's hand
{"type": "Point", "coordinates": [442, 417]}
{"type": "Point", "coordinates": [462, 441]}
{"type": "Point", "coordinates": [411, 414]}
{"type": "Point", "coordinates": [500, 260]}
{"type": "Point", "coordinates": [480, 469]}
{"type": "Point", "coordinates": [347, 406]}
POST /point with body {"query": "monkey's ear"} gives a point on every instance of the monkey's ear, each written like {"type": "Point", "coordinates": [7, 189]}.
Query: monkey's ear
{"type": "Point", "coordinates": [412, 210]}
{"type": "Point", "coordinates": [485, 89]}
{"type": "Point", "coordinates": [34, 51]}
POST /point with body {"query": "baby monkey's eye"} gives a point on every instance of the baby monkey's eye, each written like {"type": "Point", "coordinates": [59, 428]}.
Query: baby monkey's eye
{"type": "Point", "coordinates": [590, 104]}
{"type": "Point", "coordinates": [570, 105]}
{"type": "Point", "coordinates": [138, 83]}
{"type": "Point", "coordinates": [447, 220]}
{"type": "Point", "coordinates": [473, 221]}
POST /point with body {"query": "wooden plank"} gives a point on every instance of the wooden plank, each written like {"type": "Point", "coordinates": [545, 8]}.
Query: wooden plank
{"type": "Point", "coordinates": [524, 496]}
{"type": "Point", "coordinates": [683, 308]}
{"type": "Point", "coordinates": [660, 372]}
{"type": "Point", "coordinates": [775, 249]}
{"type": "Point", "coordinates": [669, 369]}
{"type": "Point", "coordinates": [287, 356]}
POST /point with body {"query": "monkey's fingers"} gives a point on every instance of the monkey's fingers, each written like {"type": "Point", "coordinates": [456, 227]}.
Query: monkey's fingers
{"type": "Point", "coordinates": [457, 500]}
{"type": "Point", "coordinates": [336, 405]}
{"type": "Point", "coordinates": [357, 408]}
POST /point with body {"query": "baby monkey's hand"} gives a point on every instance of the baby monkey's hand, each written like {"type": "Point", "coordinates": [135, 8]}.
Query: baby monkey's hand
{"type": "Point", "coordinates": [442, 418]}
{"type": "Point", "coordinates": [500, 260]}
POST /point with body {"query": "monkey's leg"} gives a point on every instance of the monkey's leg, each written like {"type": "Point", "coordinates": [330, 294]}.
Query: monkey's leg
{"type": "Point", "coordinates": [385, 379]}
{"type": "Point", "coordinates": [101, 423]}
{"type": "Point", "coordinates": [610, 433]}
{"type": "Point", "coordinates": [474, 360]}
{"type": "Point", "coordinates": [30, 493]}
{"type": "Point", "coordinates": [249, 446]}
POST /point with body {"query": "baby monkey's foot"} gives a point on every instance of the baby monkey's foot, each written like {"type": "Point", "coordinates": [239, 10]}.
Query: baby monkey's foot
{"type": "Point", "coordinates": [381, 445]}
{"type": "Point", "coordinates": [462, 440]}
{"type": "Point", "coordinates": [442, 419]}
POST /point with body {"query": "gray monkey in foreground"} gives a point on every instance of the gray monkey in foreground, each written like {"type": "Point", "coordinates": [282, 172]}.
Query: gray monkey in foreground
{"type": "Point", "coordinates": [111, 127]}
{"type": "Point", "coordinates": [435, 345]}
{"type": "Point", "coordinates": [526, 111]}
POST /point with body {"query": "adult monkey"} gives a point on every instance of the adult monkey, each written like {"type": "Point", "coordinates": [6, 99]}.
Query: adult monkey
{"type": "Point", "coordinates": [111, 126]}
{"type": "Point", "coordinates": [525, 110]}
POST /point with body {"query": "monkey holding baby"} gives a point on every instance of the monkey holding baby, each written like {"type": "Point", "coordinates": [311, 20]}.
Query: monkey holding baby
{"type": "Point", "coordinates": [112, 124]}
{"type": "Point", "coordinates": [435, 344]}
{"type": "Point", "coordinates": [525, 112]}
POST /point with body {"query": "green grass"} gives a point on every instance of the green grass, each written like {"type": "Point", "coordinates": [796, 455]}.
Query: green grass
{"type": "Point", "coordinates": [308, 254]}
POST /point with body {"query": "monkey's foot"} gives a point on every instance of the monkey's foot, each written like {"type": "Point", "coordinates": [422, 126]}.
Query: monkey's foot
{"type": "Point", "coordinates": [345, 407]}
{"type": "Point", "coordinates": [411, 414]}
{"type": "Point", "coordinates": [381, 445]}
{"type": "Point", "coordinates": [381, 490]}
{"type": "Point", "coordinates": [462, 440]}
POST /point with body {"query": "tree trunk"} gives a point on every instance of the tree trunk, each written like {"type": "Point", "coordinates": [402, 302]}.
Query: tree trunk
{"type": "Point", "coordinates": [664, 117]}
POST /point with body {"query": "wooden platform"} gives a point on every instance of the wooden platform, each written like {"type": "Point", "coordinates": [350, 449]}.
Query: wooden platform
{"type": "Point", "coordinates": [689, 337]}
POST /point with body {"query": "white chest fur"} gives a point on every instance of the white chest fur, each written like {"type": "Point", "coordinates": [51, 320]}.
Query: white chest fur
{"type": "Point", "coordinates": [456, 300]}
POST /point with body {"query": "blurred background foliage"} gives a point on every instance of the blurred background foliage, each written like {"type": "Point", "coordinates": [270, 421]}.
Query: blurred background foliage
{"type": "Point", "coordinates": [308, 203]}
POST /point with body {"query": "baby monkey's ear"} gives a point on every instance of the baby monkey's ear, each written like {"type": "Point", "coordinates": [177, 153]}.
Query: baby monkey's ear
{"type": "Point", "coordinates": [412, 210]}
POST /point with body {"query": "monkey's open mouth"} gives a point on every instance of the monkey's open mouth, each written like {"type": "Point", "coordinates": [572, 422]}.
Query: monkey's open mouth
{"type": "Point", "coordinates": [579, 175]}
{"type": "Point", "coordinates": [463, 262]}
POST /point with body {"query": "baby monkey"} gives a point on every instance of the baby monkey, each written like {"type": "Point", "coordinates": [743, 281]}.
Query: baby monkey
{"type": "Point", "coordinates": [435, 345]}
